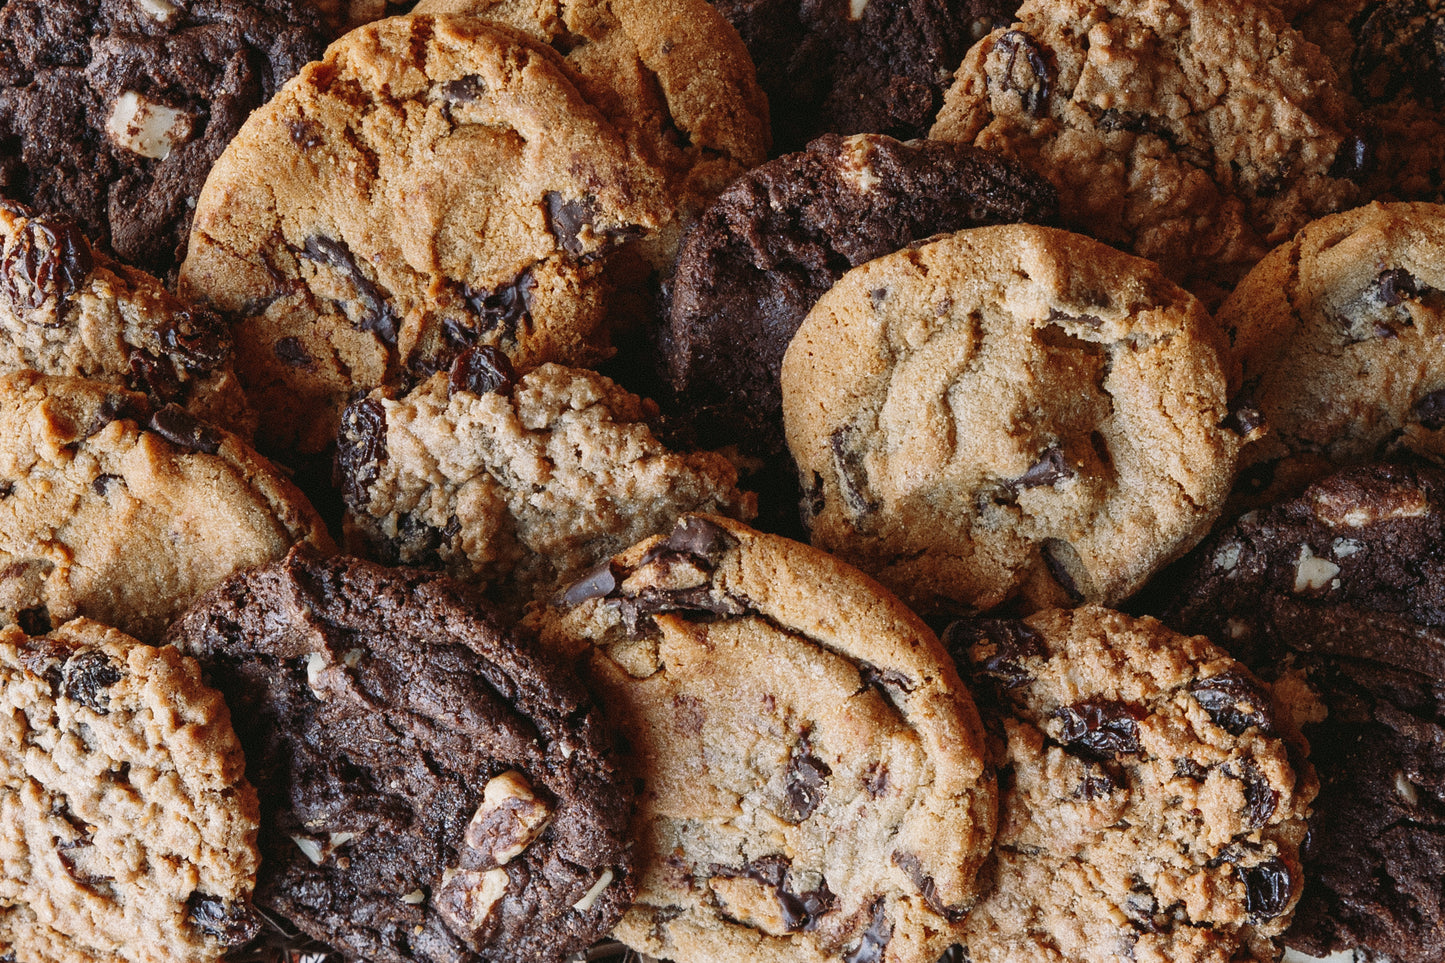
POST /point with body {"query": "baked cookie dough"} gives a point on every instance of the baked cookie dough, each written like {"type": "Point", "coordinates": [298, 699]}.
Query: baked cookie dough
{"type": "Point", "coordinates": [433, 183]}
{"type": "Point", "coordinates": [1009, 412]}
{"type": "Point", "coordinates": [66, 309]}
{"type": "Point", "coordinates": [117, 511]}
{"type": "Point", "coordinates": [113, 113]}
{"type": "Point", "coordinates": [1149, 808]}
{"type": "Point", "coordinates": [127, 827]}
{"type": "Point", "coordinates": [432, 788]}
{"type": "Point", "coordinates": [520, 481]}
{"type": "Point", "coordinates": [1148, 117]}
{"type": "Point", "coordinates": [812, 784]}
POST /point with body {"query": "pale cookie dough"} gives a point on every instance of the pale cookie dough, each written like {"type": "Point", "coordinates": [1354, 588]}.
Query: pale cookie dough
{"type": "Point", "coordinates": [431, 184]}
{"type": "Point", "coordinates": [127, 827]}
{"type": "Point", "coordinates": [1008, 413]}
{"type": "Point", "coordinates": [524, 483]}
{"type": "Point", "coordinates": [812, 784]}
{"type": "Point", "coordinates": [117, 512]}
{"type": "Point", "coordinates": [1150, 808]}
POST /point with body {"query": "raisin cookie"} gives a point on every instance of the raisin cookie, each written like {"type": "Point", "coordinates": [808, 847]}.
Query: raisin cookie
{"type": "Point", "coordinates": [1146, 116]}
{"type": "Point", "coordinates": [113, 112]}
{"type": "Point", "coordinates": [432, 788]}
{"type": "Point", "coordinates": [756, 261]}
{"type": "Point", "coordinates": [1339, 338]}
{"type": "Point", "coordinates": [1008, 412]}
{"type": "Point", "coordinates": [1343, 590]}
{"type": "Point", "coordinates": [433, 183]}
{"type": "Point", "coordinates": [812, 784]}
{"type": "Point", "coordinates": [115, 511]}
{"type": "Point", "coordinates": [524, 480]}
{"type": "Point", "coordinates": [1149, 807]}
{"type": "Point", "coordinates": [68, 310]}
{"type": "Point", "coordinates": [128, 829]}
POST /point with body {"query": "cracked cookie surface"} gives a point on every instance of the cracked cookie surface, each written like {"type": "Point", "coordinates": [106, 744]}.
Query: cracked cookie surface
{"type": "Point", "coordinates": [1339, 341]}
{"type": "Point", "coordinates": [1340, 593]}
{"type": "Point", "coordinates": [520, 483]}
{"type": "Point", "coordinates": [1008, 412]}
{"type": "Point", "coordinates": [113, 111]}
{"type": "Point", "coordinates": [123, 513]}
{"type": "Point", "coordinates": [128, 829]}
{"type": "Point", "coordinates": [812, 784]}
{"type": "Point", "coordinates": [66, 309]}
{"type": "Point", "coordinates": [1150, 808]}
{"type": "Point", "coordinates": [1146, 117]}
{"type": "Point", "coordinates": [434, 183]}
{"type": "Point", "coordinates": [432, 787]}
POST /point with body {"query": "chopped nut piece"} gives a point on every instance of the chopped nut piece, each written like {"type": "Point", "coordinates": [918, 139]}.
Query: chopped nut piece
{"type": "Point", "coordinates": [1312, 572]}
{"type": "Point", "coordinates": [466, 897]}
{"type": "Point", "coordinates": [508, 819]}
{"type": "Point", "coordinates": [585, 903]}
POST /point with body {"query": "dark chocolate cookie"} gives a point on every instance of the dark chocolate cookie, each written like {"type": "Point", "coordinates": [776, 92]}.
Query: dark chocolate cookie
{"type": "Point", "coordinates": [1343, 589]}
{"type": "Point", "coordinates": [753, 265]}
{"type": "Point", "coordinates": [432, 789]}
{"type": "Point", "coordinates": [113, 111]}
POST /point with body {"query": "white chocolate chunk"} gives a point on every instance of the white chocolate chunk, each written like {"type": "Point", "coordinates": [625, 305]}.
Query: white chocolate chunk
{"type": "Point", "coordinates": [161, 11]}
{"type": "Point", "coordinates": [856, 8]}
{"type": "Point", "coordinates": [857, 160]}
{"type": "Point", "coordinates": [1228, 556]}
{"type": "Point", "coordinates": [145, 127]}
{"type": "Point", "coordinates": [585, 903]}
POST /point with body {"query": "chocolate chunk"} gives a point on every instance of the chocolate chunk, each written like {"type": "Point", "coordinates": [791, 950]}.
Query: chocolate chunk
{"type": "Point", "coordinates": [377, 314]}
{"type": "Point", "coordinates": [1267, 888]}
{"type": "Point", "coordinates": [292, 352]}
{"type": "Point", "coordinates": [599, 582]}
{"type": "Point", "coordinates": [1032, 75]}
{"type": "Point", "coordinates": [852, 473]}
{"type": "Point", "coordinates": [465, 90]}
{"type": "Point", "coordinates": [874, 941]}
{"type": "Point", "coordinates": [102, 483]}
{"type": "Point", "coordinates": [305, 134]}
{"type": "Point", "coordinates": [181, 428]}
{"type": "Point", "coordinates": [507, 307]}
{"type": "Point", "coordinates": [890, 682]}
{"type": "Point", "coordinates": [85, 679]}
{"type": "Point", "coordinates": [700, 600]}
{"type": "Point", "coordinates": [1355, 157]}
{"type": "Point", "coordinates": [913, 867]}
{"type": "Point", "coordinates": [1235, 702]}
{"type": "Point", "coordinates": [1429, 411]}
{"type": "Point", "coordinates": [700, 539]}
{"type": "Point", "coordinates": [806, 779]}
{"type": "Point", "coordinates": [1243, 419]}
{"type": "Point", "coordinates": [1099, 730]}
{"type": "Point", "coordinates": [360, 450]}
{"type": "Point", "coordinates": [800, 911]}
{"type": "Point", "coordinates": [480, 370]}
{"type": "Point", "coordinates": [1013, 642]}
{"type": "Point", "coordinates": [1051, 468]}
{"type": "Point", "coordinates": [1056, 554]}
{"type": "Point", "coordinates": [566, 219]}
{"type": "Point", "coordinates": [1396, 286]}
{"type": "Point", "coordinates": [34, 620]}
{"type": "Point", "coordinates": [50, 259]}
{"type": "Point", "coordinates": [232, 924]}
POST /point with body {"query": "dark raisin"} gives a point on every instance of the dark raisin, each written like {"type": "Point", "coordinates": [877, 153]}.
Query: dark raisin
{"type": "Point", "coordinates": [50, 258]}
{"type": "Point", "coordinates": [1235, 702]}
{"type": "Point", "coordinates": [1429, 411]}
{"type": "Point", "coordinates": [293, 353]}
{"type": "Point", "coordinates": [34, 620]}
{"type": "Point", "coordinates": [154, 376]}
{"type": "Point", "coordinates": [1028, 70]}
{"type": "Point", "coordinates": [360, 451]}
{"type": "Point", "coordinates": [1260, 798]}
{"type": "Point", "coordinates": [198, 338]}
{"type": "Point", "coordinates": [1267, 888]}
{"type": "Point", "coordinates": [481, 370]}
{"type": "Point", "coordinates": [85, 679]}
{"type": "Point", "coordinates": [870, 946]}
{"type": "Point", "coordinates": [1185, 768]}
{"type": "Point", "coordinates": [185, 430]}
{"type": "Point", "coordinates": [376, 313]}
{"type": "Point", "coordinates": [1098, 781]}
{"type": "Point", "coordinates": [232, 924]}
{"type": "Point", "coordinates": [852, 473]}
{"type": "Point", "coordinates": [1007, 643]}
{"type": "Point", "coordinates": [1099, 730]}
{"type": "Point", "coordinates": [805, 780]}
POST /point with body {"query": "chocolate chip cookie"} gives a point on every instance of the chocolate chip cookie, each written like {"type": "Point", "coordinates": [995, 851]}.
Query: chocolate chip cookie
{"type": "Point", "coordinates": [1009, 412]}
{"type": "Point", "coordinates": [1341, 593]}
{"type": "Point", "coordinates": [432, 787]}
{"type": "Point", "coordinates": [117, 511]}
{"type": "Point", "coordinates": [129, 829]}
{"type": "Point", "coordinates": [519, 481]}
{"type": "Point", "coordinates": [756, 261]}
{"type": "Point", "coordinates": [434, 183]}
{"type": "Point", "coordinates": [113, 112]}
{"type": "Point", "coordinates": [812, 785]}
{"type": "Point", "coordinates": [1339, 336]}
{"type": "Point", "coordinates": [1147, 118]}
{"type": "Point", "coordinates": [1149, 808]}
{"type": "Point", "coordinates": [66, 309]}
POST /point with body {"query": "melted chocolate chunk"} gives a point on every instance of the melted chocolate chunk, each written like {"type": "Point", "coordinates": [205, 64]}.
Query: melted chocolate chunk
{"type": "Point", "coordinates": [1235, 702]}
{"type": "Point", "coordinates": [1267, 888]}
{"type": "Point", "coordinates": [377, 314]}
{"type": "Point", "coordinates": [507, 308]}
{"type": "Point", "coordinates": [481, 370]}
{"type": "Point", "coordinates": [1029, 70]}
{"type": "Point", "coordinates": [115, 408]}
{"type": "Point", "coordinates": [599, 582]}
{"type": "Point", "coordinates": [566, 219]}
{"type": "Point", "coordinates": [86, 678]}
{"type": "Point", "coordinates": [1099, 730]}
{"type": "Point", "coordinates": [698, 539]}
{"type": "Point", "coordinates": [806, 782]}
{"type": "Point", "coordinates": [181, 428]}
{"type": "Point", "coordinates": [913, 866]}
{"type": "Point", "coordinates": [1051, 468]}
{"type": "Point", "coordinates": [1429, 411]}
{"type": "Point", "coordinates": [50, 259]}
{"type": "Point", "coordinates": [874, 941]}
{"type": "Point", "coordinates": [1012, 642]}
{"type": "Point", "coordinates": [800, 911]}
{"type": "Point", "coordinates": [465, 90]}
{"type": "Point", "coordinates": [232, 924]}
{"type": "Point", "coordinates": [852, 473]}
{"type": "Point", "coordinates": [1054, 552]}
{"type": "Point", "coordinates": [360, 450]}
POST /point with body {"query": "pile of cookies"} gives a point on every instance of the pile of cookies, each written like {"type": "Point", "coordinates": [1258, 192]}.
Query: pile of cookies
{"type": "Point", "coordinates": [565, 480]}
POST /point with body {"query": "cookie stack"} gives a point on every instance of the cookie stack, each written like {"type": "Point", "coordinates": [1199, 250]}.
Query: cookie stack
{"type": "Point", "coordinates": [573, 323]}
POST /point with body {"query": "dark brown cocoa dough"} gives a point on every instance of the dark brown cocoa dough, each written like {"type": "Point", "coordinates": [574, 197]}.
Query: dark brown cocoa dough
{"type": "Point", "coordinates": [388, 721]}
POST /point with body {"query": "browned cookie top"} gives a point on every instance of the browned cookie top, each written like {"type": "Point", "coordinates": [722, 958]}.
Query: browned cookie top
{"type": "Point", "coordinates": [432, 788]}
{"type": "Point", "coordinates": [113, 111]}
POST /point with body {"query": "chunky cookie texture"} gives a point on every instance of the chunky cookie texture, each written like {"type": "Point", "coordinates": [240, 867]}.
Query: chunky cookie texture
{"type": "Point", "coordinates": [115, 510]}
{"type": "Point", "coordinates": [1009, 413]}
{"type": "Point", "coordinates": [1150, 808]}
{"type": "Point", "coordinates": [1147, 117]}
{"type": "Point", "coordinates": [128, 829]}
{"type": "Point", "coordinates": [1339, 342]}
{"type": "Point", "coordinates": [66, 309]}
{"type": "Point", "coordinates": [1341, 594]}
{"type": "Point", "coordinates": [435, 183]}
{"type": "Point", "coordinates": [758, 259]}
{"type": "Point", "coordinates": [432, 788]}
{"type": "Point", "coordinates": [811, 771]}
{"type": "Point", "coordinates": [522, 482]}
{"type": "Point", "coordinates": [113, 111]}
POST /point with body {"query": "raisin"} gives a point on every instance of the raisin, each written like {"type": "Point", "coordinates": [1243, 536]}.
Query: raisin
{"type": "Point", "coordinates": [198, 339]}
{"type": "Point", "coordinates": [232, 924]}
{"type": "Point", "coordinates": [49, 259]}
{"type": "Point", "coordinates": [1012, 642]}
{"type": "Point", "coordinates": [1267, 888]}
{"type": "Point", "coordinates": [481, 370]}
{"type": "Point", "coordinates": [34, 620]}
{"type": "Point", "coordinates": [806, 780]}
{"type": "Point", "coordinates": [293, 353]}
{"type": "Point", "coordinates": [155, 377]}
{"type": "Point", "coordinates": [1235, 703]}
{"type": "Point", "coordinates": [360, 451]}
{"type": "Point", "coordinates": [85, 679]}
{"type": "Point", "coordinates": [1260, 798]}
{"type": "Point", "coordinates": [1033, 78]}
{"type": "Point", "coordinates": [1099, 781]}
{"type": "Point", "coordinates": [1099, 730]}
{"type": "Point", "coordinates": [181, 428]}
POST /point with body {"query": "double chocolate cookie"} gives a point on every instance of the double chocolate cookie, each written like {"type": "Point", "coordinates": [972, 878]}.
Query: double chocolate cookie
{"type": "Point", "coordinates": [432, 788]}
{"type": "Point", "coordinates": [112, 111]}
{"type": "Point", "coordinates": [1009, 412]}
{"type": "Point", "coordinates": [128, 829]}
{"type": "Point", "coordinates": [1149, 806]}
{"type": "Point", "coordinates": [1340, 593]}
{"type": "Point", "coordinates": [812, 784]}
